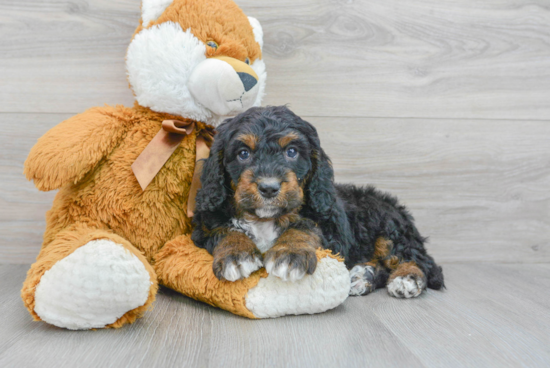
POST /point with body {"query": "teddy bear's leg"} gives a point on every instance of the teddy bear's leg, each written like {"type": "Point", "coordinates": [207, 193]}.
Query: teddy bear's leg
{"type": "Point", "coordinates": [182, 266]}
{"type": "Point", "coordinates": [88, 278]}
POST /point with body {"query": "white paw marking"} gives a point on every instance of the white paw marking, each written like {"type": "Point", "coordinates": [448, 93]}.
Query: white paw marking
{"type": "Point", "coordinates": [241, 269]}
{"type": "Point", "coordinates": [360, 279]}
{"type": "Point", "coordinates": [92, 287]}
{"type": "Point", "coordinates": [406, 287]}
{"type": "Point", "coordinates": [284, 272]}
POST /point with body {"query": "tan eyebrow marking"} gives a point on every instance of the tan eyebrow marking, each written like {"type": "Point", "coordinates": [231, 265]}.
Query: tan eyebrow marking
{"type": "Point", "coordinates": [283, 141]}
{"type": "Point", "coordinates": [249, 139]}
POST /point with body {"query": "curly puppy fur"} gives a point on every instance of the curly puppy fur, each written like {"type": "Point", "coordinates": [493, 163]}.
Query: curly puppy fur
{"type": "Point", "coordinates": [268, 178]}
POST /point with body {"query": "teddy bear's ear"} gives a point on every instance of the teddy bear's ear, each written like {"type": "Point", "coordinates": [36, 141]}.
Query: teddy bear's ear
{"type": "Point", "coordinates": [152, 9]}
{"type": "Point", "coordinates": [258, 32]}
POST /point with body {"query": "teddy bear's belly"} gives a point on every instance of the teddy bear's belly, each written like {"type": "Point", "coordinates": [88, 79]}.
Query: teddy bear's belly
{"type": "Point", "coordinates": [110, 197]}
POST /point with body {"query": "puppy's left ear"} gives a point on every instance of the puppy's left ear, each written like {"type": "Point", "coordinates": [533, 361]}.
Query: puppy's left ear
{"type": "Point", "coordinates": [320, 190]}
{"type": "Point", "coordinates": [320, 186]}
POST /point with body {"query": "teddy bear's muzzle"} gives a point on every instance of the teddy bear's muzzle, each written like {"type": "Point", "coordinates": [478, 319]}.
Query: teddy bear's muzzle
{"type": "Point", "coordinates": [224, 85]}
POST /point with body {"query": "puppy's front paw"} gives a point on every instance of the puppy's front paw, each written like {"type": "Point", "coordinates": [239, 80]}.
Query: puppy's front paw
{"type": "Point", "coordinates": [409, 286]}
{"type": "Point", "coordinates": [291, 264]}
{"type": "Point", "coordinates": [233, 267]}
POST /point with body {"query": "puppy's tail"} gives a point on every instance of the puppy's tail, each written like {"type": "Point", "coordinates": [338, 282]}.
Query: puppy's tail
{"type": "Point", "coordinates": [435, 278]}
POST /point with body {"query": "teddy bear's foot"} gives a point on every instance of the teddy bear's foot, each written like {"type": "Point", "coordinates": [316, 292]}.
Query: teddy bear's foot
{"type": "Point", "coordinates": [93, 287]}
{"type": "Point", "coordinates": [327, 288]}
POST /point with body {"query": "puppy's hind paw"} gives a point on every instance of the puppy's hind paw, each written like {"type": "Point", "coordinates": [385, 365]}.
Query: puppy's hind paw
{"type": "Point", "coordinates": [362, 280]}
{"type": "Point", "coordinates": [409, 286]}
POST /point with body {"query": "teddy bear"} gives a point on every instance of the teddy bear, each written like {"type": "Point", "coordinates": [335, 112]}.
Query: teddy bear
{"type": "Point", "coordinates": [120, 224]}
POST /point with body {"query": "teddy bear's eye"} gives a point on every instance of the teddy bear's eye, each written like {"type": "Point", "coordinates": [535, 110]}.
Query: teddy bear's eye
{"type": "Point", "coordinates": [247, 61]}
{"type": "Point", "coordinates": [212, 44]}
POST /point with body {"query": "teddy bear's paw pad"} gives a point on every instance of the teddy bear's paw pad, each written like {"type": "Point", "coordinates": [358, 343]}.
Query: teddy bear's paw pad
{"type": "Point", "coordinates": [361, 280]}
{"type": "Point", "coordinates": [409, 286]}
{"type": "Point", "coordinates": [325, 289]}
{"type": "Point", "coordinates": [92, 287]}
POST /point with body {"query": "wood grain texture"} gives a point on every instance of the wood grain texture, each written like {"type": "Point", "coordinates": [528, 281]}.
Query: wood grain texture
{"type": "Point", "coordinates": [385, 58]}
{"type": "Point", "coordinates": [22, 207]}
{"type": "Point", "coordinates": [475, 172]}
{"type": "Point", "coordinates": [478, 189]}
{"type": "Point", "coordinates": [490, 316]}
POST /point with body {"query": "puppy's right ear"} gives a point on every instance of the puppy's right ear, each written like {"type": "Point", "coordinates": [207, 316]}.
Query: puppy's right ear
{"type": "Point", "coordinates": [213, 191]}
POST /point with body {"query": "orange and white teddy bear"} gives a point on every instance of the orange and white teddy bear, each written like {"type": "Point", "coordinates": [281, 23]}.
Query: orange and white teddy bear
{"type": "Point", "coordinates": [110, 238]}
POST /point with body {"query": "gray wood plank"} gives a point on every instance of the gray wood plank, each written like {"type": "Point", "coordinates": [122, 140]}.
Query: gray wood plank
{"type": "Point", "coordinates": [479, 321]}
{"type": "Point", "coordinates": [489, 316]}
{"type": "Point", "coordinates": [467, 59]}
{"type": "Point", "coordinates": [331, 339]}
{"type": "Point", "coordinates": [22, 207]}
{"type": "Point", "coordinates": [478, 188]}
{"type": "Point", "coordinates": [502, 284]}
{"type": "Point", "coordinates": [15, 321]}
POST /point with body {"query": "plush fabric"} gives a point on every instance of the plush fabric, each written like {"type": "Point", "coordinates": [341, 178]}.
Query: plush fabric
{"type": "Point", "coordinates": [92, 287]}
{"type": "Point", "coordinates": [103, 228]}
{"type": "Point", "coordinates": [66, 243]}
{"type": "Point", "coordinates": [166, 52]}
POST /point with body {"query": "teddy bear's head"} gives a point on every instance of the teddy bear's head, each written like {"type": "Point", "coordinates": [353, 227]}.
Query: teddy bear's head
{"type": "Point", "coordinates": [196, 58]}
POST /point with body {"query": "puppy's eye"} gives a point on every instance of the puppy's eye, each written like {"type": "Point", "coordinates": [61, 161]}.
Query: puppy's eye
{"type": "Point", "coordinates": [247, 61]}
{"type": "Point", "coordinates": [291, 152]}
{"type": "Point", "coordinates": [212, 44]}
{"type": "Point", "coordinates": [244, 155]}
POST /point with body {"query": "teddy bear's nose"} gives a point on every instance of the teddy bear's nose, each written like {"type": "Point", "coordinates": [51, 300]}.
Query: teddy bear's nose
{"type": "Point", "coordinates": [248, 81]}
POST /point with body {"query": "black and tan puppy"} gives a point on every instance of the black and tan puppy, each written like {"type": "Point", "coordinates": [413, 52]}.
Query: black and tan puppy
{"type": "Point", "coordinates": [268, 198]}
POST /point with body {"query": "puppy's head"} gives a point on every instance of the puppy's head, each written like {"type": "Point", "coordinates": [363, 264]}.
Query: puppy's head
{"type": "Point", "coordinates": [266, 162]}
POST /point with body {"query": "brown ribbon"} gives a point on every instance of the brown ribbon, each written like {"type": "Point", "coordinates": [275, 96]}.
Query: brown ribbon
{"type": "Point", "coordinates": [159, 150]}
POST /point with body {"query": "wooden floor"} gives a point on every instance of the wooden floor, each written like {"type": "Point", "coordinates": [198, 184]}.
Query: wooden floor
{"type": "Point", "coordinates": [444, 104]}
{"type": "Point", "coordinates": [490, 316]}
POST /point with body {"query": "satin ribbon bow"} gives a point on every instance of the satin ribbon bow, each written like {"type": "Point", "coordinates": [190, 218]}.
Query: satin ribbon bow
{"type": "Point", "coordinates": [159, 150]}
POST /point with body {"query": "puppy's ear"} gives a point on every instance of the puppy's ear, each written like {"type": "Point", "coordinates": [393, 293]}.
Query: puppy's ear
{"type": "Point", "coordinates": [213, 191]}
{"type": "Point", "coordinates": [321, 194]}
{"type": "Point", "coordinates": [320, 190]}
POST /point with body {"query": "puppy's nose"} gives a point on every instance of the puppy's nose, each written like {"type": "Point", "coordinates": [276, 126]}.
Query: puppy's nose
{"type": "Point", "coordinates": [248, 81]}
{"type": "Point", "coordinates": [269, 188]}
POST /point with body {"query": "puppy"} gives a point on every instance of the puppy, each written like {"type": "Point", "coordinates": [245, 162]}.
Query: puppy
{"type": "Point", "coordinates": [268, 199]}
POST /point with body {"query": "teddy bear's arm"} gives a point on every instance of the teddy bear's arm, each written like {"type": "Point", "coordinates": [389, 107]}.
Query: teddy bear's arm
{"type": "Point", "coordinates": [68, 151]}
